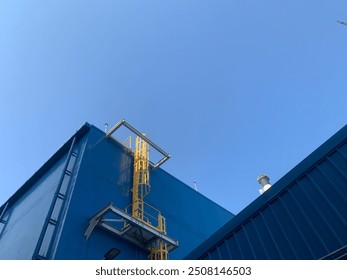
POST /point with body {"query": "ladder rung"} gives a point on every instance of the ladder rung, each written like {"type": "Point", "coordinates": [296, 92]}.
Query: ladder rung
{"type": "Point", "coordinates": [61, 196]}
{"type": "Point", "coordinates": [52, 222]}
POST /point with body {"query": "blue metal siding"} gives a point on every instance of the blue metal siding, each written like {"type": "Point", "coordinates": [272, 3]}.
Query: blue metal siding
{"type": "Point", "coordinates": [25, 218]}
{"type": "Point", "coordinates": [191, 217]}
{"type": "Point", "coordinates": [302, 216]}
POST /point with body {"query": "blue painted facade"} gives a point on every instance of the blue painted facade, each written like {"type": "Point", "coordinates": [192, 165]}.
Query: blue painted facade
{"type": "Point", "coordinates": [302, 216]}
{"type": "Point", "coordinates": [28, 215]}
{"type": "Point", "coordinates": [47, 217]}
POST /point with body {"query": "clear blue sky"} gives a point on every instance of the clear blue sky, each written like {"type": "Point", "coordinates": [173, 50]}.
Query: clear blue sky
{"type": "Point", "coordinates": [231, 89]}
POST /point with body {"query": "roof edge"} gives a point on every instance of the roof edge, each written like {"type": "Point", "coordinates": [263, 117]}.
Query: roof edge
{"type": "Point", "coordinates": [47, 165]}
{"type": "Point", "coordinates": [308, 163]}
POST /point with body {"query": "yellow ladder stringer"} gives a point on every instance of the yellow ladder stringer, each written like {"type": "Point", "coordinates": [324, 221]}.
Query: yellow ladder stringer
{"type": "Point", "coordinates": [141, 186]}
{"type": "Point", "coordinates": [140, 209]}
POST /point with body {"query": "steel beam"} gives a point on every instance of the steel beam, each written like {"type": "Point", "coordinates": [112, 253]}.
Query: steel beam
{"type": "Point", "coordinates": [166, 156]}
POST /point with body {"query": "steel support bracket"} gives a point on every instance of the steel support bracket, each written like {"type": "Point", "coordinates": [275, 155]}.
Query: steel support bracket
{"type": "Point", "coordinates": [127, 227]}
{"type": "Point", "coordinates": [122, 122]}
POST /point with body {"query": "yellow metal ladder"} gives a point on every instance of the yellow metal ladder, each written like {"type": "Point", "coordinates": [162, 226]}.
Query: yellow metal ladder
{"type": "Point", "coordinates": [141, 188]}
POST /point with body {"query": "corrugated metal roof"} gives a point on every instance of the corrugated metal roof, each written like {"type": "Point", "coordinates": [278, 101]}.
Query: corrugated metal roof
{"type": "Point", "coordinates": [302, 216]}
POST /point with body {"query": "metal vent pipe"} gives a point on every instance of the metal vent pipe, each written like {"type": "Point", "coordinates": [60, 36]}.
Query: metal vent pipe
{"type": "Point", "coordinates": [264, 180]}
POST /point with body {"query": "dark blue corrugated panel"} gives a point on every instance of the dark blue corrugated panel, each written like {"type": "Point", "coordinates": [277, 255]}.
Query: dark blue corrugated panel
{"type": "Point", "coordinates": [302, 216]}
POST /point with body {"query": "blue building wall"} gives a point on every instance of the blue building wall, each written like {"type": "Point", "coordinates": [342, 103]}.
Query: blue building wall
{"type": "Point", "coordinates": [89, 172]}
{"type": "Point", "coordinates": [26, 229]}
{"type": "Point", "coordinates": [26, 216]}
{"type": "Point", "coordinates": [302, 216]}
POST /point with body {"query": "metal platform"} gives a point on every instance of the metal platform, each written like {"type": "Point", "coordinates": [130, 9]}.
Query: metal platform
{"type": "Point", "coordinates": [122, 224]}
